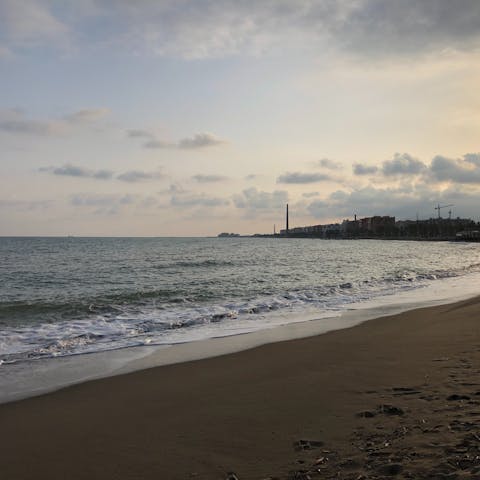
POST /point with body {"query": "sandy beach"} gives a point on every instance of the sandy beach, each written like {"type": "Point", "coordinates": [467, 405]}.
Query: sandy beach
{"type": "Point", "coordinates": [395, 397]}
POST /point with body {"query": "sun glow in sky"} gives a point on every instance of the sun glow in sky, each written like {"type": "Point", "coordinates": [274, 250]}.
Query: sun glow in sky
{"type": "Point", "coordinates": [192, 117]}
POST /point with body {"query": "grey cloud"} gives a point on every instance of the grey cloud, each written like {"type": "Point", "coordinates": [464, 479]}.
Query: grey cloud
{"type": "Point", "coordinates": [403, 202]}
{"type": "Point", "coordinates": [466, 170]}
{"type": "Point", "coordinates": [75, 171]}
{"type": "Point", "coordinates": [130, 176]}
{"type": "Point", "coordinates": [15, 122]}
{"type": "Point", "coordinates": [5, 52]}
{"type": "Point", "coordinates": [310, 194]}
{"type": "Point", "coordinates": [209, 178]}
{"type": "Point", "coordinates": [176, 188]}
{"type": "Point", "coordinates": [154, 143]}
{"type": "Point", "coordinates": [220, 28]}
{"type": "Point", "coordinates": [407, 27]}
{"type": "Point", "coordinates": [302, 178]}
{"type": "Point", "coordinates": [361, 169]}
{"type": "Point", "coordinates": [133, 176]}
{"type": "Point", "coordinates": [472, 158]}
{"type": "Point", "coordinates": [200, 200]}
{"type": "Point", "coordinates": [329, 164]}
{"type": "Point", "coordinates": [367, 201]}
{"type": "Point", "coordinates": [252, 176]}
{"type": "Point", "coordinates": [139, 133]}
{"type": "Point", "coordinates": [104, 204]}
{"type": "Point", "coordinates": [253, 199]}
{"type": "Point", "coordinates": [29, 23]}
{"type": "Point", "coordinates": [403, 164]}
{"type": "Point", "coordinates": [25, 205]}
{"type": "Point", "coordinates": [99, 200]}
{"type": "Point", "coordinates": [200, 140]}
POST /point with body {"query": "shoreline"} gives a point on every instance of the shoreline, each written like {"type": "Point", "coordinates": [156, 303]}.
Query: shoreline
{"type": "Point", "coordinates": [38, 377]}
{"type": "Point", "coordinates": [249, 412]}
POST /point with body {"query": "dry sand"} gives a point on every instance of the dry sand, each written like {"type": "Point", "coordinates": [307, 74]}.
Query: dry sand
{"type": "Point", "coordinates": [395, 397]}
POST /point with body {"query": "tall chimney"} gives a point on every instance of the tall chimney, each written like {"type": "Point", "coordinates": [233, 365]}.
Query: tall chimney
{"type": "Point", "coordinates": [287, 218]}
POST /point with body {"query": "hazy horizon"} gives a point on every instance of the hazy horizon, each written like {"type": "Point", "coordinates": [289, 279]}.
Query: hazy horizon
{"type": "Point", "coordinates": [187, 119]}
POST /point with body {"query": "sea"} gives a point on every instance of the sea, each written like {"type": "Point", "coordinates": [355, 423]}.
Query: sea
{"type": "Point", "coordinates": [72, 296]}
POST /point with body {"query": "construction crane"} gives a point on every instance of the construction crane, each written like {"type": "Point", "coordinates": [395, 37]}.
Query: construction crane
{"type": "Point", "coordinates": [439, 207]}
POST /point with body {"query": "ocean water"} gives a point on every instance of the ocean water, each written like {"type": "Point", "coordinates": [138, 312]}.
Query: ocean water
{"type": "Point", "coordinates": [68, 296]}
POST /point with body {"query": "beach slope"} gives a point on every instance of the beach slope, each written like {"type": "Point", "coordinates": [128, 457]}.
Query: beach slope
{"type": "Point", "coordinates": [398, 396]}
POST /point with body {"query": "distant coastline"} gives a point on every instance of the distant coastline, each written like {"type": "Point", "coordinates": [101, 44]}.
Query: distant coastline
{"type": "Point", "coordinates": [387, 228]}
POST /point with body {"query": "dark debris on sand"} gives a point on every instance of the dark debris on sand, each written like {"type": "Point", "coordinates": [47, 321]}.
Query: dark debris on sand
{"type": "Point", "coordinates": [434, 434]}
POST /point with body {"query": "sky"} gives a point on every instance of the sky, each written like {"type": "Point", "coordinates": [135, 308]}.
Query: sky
{"type": "Point", "coordinates": [195, 117]}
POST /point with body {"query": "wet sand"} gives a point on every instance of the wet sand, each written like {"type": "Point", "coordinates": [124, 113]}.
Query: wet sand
{"type": "Point", "coordinates": [395, 397]}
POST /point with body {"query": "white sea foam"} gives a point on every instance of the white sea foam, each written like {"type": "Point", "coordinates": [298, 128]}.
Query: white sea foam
{"type": "Point", "coordinates": [63, 300]}
{"type": "Point", "coordinates": [20, 380]}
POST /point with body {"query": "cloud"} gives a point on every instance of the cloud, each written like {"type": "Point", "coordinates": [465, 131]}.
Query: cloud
{"type": "Point", "coordinates": [16, 122]}
{"type": "Point", "coordinates": [69, 170]}
{"type": "Point", "coordinates": [200, 200]}
{"type": "Point", "coordinates": [130, 176]}
{"type": "Point", "coordinates": [5, 52]}
{"type": "Point", "coordinates": [133, 176]}
{"type": "Point", "coordinates": [25, 205]}
{"type": "Point", "coordinates": [30, 23]}
{"type": "Point", "coordinates": [366, 201]}
{"type": "Point", "coordinates": [253, 199]}
{"type": "Point", "coordinates": [361, 169]}
{"type": "Point", "coordinates": [104, 204]}
{"type": "Point", "coordinates": [403, 201]}
{"type": "Point", "coordinates": [197, 141]}
{"type": "Point", "coordinates": [376, 27]}
{"type": "Point", "coordinates": [100, 200]}
{"type": "Point", "coordinates": [139, 133]}
{"type": "Point", "coordinates": [473, 158]}
{"type": "Point", "coordinates": [310, 194]}
{"type": "Point", "coordinates": [329, 164]}
{"type": "Point", "coordinates": [200, 140]}
{"type": "Point", "coordinates": [403, 164]}
{"type": "Point", "coordinates": [87, 115]}
{"type": "Point", "coordinates": [209, 178]}
{"type": "Point", "coordinates": [154, 143]}
{"type": "Point", "coordinates": [302, 178]}
{"type": "Point", "coordinates": [222, 28]}
{"type": "Point", "coordinates": [465, 170]}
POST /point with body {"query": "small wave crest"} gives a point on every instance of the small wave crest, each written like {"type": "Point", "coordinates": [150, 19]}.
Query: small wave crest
{"type": "Point", "coordinates": [166, 316]}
